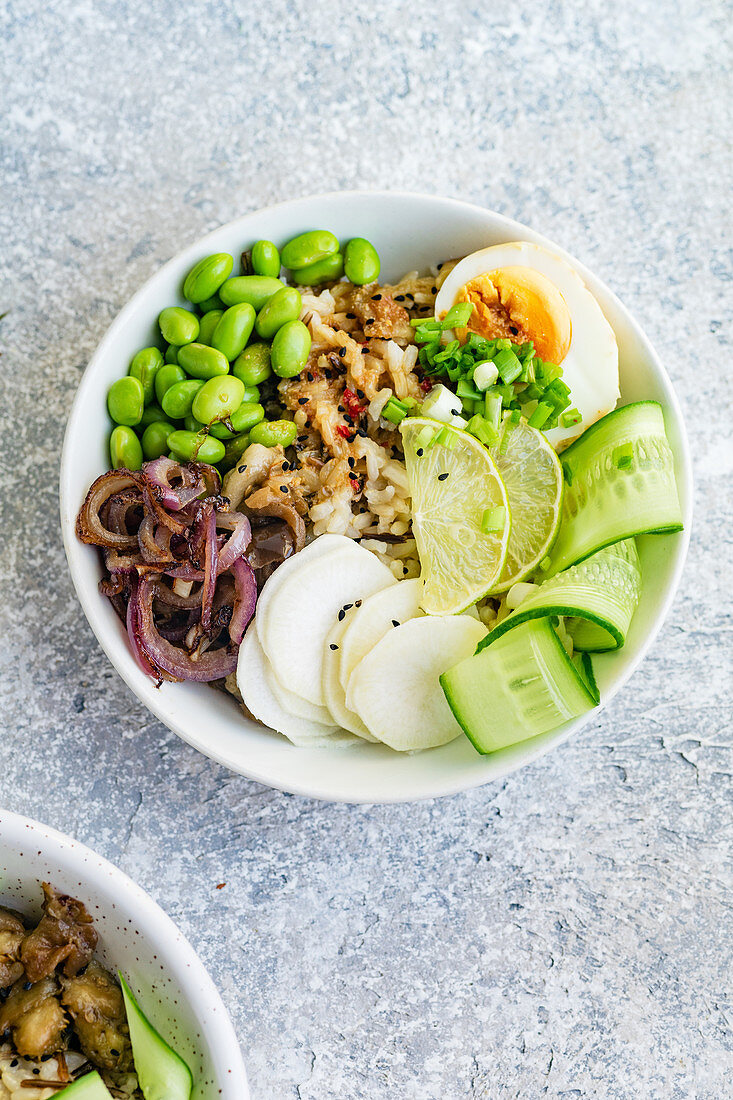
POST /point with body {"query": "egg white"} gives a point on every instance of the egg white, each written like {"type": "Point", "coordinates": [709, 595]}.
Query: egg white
{"type": "Point", "coordinates": [590, 367]}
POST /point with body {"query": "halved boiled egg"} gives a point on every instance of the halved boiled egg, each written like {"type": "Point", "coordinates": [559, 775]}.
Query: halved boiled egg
{"type": "Point", "coordinates": [522, 292]}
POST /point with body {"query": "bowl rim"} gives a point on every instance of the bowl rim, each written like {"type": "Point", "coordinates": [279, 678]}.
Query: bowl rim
{"type": "Point", "coordinates": [209, 1009]}
{"type": "Point", "coordinates": [471, 780]}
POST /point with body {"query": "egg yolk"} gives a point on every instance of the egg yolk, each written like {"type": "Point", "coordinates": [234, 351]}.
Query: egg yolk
{"type": "Point", "coordinates": [520, 304]}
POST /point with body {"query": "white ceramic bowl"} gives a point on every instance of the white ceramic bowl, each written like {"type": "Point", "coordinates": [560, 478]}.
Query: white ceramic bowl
{"type": "Point", "coordinates": [136, 937]}
{"type": "Point", "coordinates": [409, 231]}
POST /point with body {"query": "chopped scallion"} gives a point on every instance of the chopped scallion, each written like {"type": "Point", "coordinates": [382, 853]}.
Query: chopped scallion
{"type": "Point", "coordinates": [458, 315]}
{"type": "Point", "coordinates": [394, 411]}
{"type": "Point", "coordinates": [541, 414]}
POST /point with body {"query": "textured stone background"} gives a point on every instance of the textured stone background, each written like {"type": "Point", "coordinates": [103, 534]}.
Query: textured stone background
{"type": "Point", "coordinates": [567, 932]}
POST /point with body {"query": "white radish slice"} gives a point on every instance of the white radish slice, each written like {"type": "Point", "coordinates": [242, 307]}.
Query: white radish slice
{"type": "Point", "coordinates": [294, 623]}
{"type": "Point", "coordinates": [372, 620]}
{"type": "Point", "coordinates": [395, 689]}
{"type": "Point", "coordinates": [252, 683]}
{"type": "Point", "coordinates": [293, 703]}
{"type": "Point", "coordinates": [310, 552]}
{"type": "Point", "coordinates": [332, 689]}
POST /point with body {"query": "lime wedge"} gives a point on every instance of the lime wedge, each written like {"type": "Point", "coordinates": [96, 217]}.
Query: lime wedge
{"type": "Point", "coordinates": [532, 474]}
{"type": "Point", "coordinates": [454, 485]}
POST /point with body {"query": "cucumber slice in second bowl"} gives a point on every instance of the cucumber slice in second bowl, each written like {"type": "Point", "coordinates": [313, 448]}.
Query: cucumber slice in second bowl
{"type": "Point", "coordinates": [161, 1073]}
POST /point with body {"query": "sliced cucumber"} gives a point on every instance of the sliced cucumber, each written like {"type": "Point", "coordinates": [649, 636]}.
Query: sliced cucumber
{"type": "Point", "coordinates": [161, 1073]}
{"type": "Point", "coordinates": [522, 685]}
{"type": "Point", "coordinates": [89, 1087]}
{"type": "Point", "coordinates": [601, 593]}
{"type": "Point", "coordinates": [619, 482]}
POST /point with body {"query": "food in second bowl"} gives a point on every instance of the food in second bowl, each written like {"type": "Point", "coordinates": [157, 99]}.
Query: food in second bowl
{"type": "Point", "coordinates": [68, 1027]}
{"type": "Point", "coordinates": [381, 512]}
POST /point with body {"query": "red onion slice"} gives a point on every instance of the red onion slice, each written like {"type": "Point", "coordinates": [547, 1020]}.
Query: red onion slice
{"type": "Point", "coordinates": [168, 660]}
{"type": "Point", "coordinates": [89, 526]}
{"type": "Point", "coordinates": [245, 601]}
{"type": "Point", "coordinates": [237, 542]}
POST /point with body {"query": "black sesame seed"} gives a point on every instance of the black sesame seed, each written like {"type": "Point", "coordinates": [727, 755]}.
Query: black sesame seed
{"type": "Point", "coordinates": [303, 400]}
{"type": "Point", "coordinates": [37, 1071]}
{"type": "Point", "coordinates": [351, 461]}
{"type": "Point", "coordinates": [27, 986]}
{"type": "Point", "coordinates": [284, 488]}
{"type": "Point", "coordinates": [309, 376]}
{"type": "Point", "coordinates": [433, 290]}
{"type": "Point", "coordinates": [358, 603]}
{"type": "Point", "coordinates": [333, 646]}
{"type": "Point", "coordinates": [442, 477]}
{"type": "Point", "coordinates": [399, 297]}
{"type": "Point", "coordinates": [365, 351]}
{"type": "Point", "coordinates": [439, 266]}
{"type": "Point", "coordinates": [342, 352]}
{"type": "Point", "coordinates": [405, 570]}
{"type": "Point", "coordinates": [348, 606]}
{"type": "Point", "coordinates": [14, 1063]}
{"type": "Point", "coordinates": [369, 321]}
{"type": "Point", "coordinates": [114, 1053]}
{"type": "Point", "coordinates": [395, 622]}
{"type": "Point", "coordinates": [360, 394]}
{"type": "Point", "coordinates": [286, 466]}
{"type": "Point", "coordinates": [420, 452]}
{"type": "Point", "coordinates": [350, 316]}
{"type": "Point", "coordinates": [376, 297]}
{"type": "Point", "coordinates": [342, 615]}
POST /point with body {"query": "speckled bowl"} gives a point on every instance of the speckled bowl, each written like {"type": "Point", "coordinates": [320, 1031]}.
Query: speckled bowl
{"type": "Point", "coordinates": [410, 231]}
{"type": "Point", "coordinates": [136, 937]}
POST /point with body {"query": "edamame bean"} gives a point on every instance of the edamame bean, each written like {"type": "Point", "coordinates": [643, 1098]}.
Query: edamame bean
{"type": "Point", "coordinates": [150, 415]}
{"type": "Point", "coordinates": [195, 447]}
{"type": "Point", "coordinates": [214, 302]}
{"type": "Point", "coordinates": [124, 449]}
{"type": "Point", "coordinates": [166, 377]}
{"type": "Point", "coordinates": [361, 261]}
{"type": "Point", "coordinates": [284, 306]}
{"type": "Point", "coordinates": [191, 424]}
{"type": "Point", "coordinates": [246, 416]}
{"type": "Point", "coordinates": [251, 393]}
{"type": "Point", "coordinates": [171, 354]}
{"type": "Point", "coordinates": [265, 259]}
{"type": "Point", "coordinates": [308, 248]}
{"type": "Point", "coordinates": [290, 348]}
{"type": "Point", "coordinates": [234, 450]}
{"type": "Point", "coordinates": [253, 365]}
{"type": "Point", "coordinates": [208, 323]}
{"type": "Point", "coordinates": [255, 289]}
{"type": "Point", "coordinates": [179, 326]}
{"type": "Point", "coordinates": [155, 439]}
{"type": "Point", "coordinates": [233, 330]}
{"type": "Point", "coordinates": [178, 400]}
{"type": "Point", "coordinates": [205, 277]}
{"type": "Point", "coordinates": [270, 433]}
{"type": "Point", "coordinates": [327, 270]}
{"type": "Point", "coordinates": [144, 366]}
{"type": "Point", "coordinates": [220, 431]}
{"type": "Point", "coordinates": [202, 362]}
{"type": "Point", "coordinates": [217, 399]}
{"type": "Point", "coordinates": [126, 401]}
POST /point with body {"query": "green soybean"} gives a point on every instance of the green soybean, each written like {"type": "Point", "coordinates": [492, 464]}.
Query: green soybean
{"type": "Point", "coordinates": [191, 424]}
{"type": "Point", "coordinates": [179, 326]}
{"type": "Point", "coordinates": [253, 365]}
{"type": "Point", "coordinates": [144, 366]}
{"type": "Point", "coordinates": [205, 277]}
{"type": "Point", "coordinates": [234, 449]}
{"type": "Point", "coordinates": [265, 259]}
{"type": "Point", "coordinates": [233, 330]}
{"type": "Point", "coordinates": [195, 447]}
{"type": "Point", "coordinates": [208, 323]}
{"type": "Point", "coordinates": [151, 413]}
{"type": "Point", "coordinates": [251, 393]}
{"type": "Point", "coordinates": [246, 416]}
{"type": "Point", "coordinates": [155, 439]}
{"type": "Point", "coordinates": [178, 400]}
{"type": "Point", "coordinates": [285, 305]}
{"type": "Point", "coordinates": [217, 399]}
{"type": "Point", "coordinates": [171, 354]}
{"type": "Point", "coordinates": [361, 261]}
{"type": "Point", "coordinates": [124, 449]}
{"type": "Point", "coordinates": [220, 431]}
{"type": "Point", "coordinates": [202, 362]}
{"type": "Point", "coordinates": [254, 289]}
{"type": "Point", "coordinates": [308, 248]}
{"type": "Point", "coordinates": [327, 270]}
{"type": "Point", "coordinates": [214, 302]}
{"type": "Point", "coordinates": [166, 377]}
{"type": "Point", "coordinates": [290, 348]}
{"type": "Point", "coordinates": [126, 401]}
{"type": "Point", "coordinates": [270, 433]}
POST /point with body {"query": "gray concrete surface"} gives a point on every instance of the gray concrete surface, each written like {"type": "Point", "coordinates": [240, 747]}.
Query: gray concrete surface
{"type": "Point", "coordinates": [565, 933]}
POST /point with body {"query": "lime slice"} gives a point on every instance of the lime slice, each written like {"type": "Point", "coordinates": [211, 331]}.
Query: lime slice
{"type": "Point", "coordinates": [532, 474]}
{"type": "Point", "coordinates": [453, 484]}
